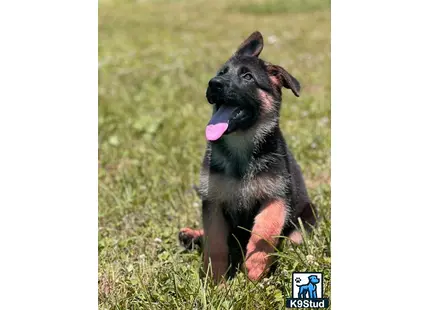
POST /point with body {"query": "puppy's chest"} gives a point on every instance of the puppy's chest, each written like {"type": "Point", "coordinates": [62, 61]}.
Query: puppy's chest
{"type": "Point", "coordinates": [238, 183]}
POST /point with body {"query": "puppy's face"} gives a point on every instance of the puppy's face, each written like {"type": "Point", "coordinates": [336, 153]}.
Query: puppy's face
{"type": "Point", "coordinates": [245, 90]}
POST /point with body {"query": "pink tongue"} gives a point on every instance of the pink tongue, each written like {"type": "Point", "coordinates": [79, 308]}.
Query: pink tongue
{"type": "Point", "coordinates": [214, 132]}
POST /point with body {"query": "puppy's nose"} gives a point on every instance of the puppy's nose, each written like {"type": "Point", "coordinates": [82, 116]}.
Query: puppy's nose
{"type": "Point", "coordinates": [216, 84]}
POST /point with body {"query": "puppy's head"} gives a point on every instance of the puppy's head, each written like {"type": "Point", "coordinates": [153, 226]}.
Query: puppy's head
{"type": "Point", "coordinates": [246, 90]}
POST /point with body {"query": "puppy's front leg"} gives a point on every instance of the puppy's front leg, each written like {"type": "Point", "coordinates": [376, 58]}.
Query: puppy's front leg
{"type": "Point", "coordinates": [268, 223]}
{"type": "Point", "coordinates": [215, 248]}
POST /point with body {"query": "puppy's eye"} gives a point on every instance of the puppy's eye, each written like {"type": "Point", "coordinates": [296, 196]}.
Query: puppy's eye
{"type": "Point", "coordinates": [247, 76]}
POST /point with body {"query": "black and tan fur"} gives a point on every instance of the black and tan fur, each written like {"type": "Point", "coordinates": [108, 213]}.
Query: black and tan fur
{"type": "Point", "coordinates": [249, 177]}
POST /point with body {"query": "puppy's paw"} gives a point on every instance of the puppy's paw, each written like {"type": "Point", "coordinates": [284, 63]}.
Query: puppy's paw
{"type": "Point", "coordinates": [257, 265]}
{"type": "Point", "coordinates": [190, 238]}
{"type": "Point", "coordinates": [222, 285]}
{"type": "Point", "coordinates": [296, 237]}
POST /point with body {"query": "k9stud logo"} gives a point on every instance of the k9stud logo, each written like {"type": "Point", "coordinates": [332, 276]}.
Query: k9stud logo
{"type": "Point", "coordinates": [307, 291]}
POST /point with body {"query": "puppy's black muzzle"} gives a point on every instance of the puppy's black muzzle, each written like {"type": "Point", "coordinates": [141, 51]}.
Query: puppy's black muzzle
{"type": "Point", "coordinates": [216, 90]}
{"type": "Point", "coordinates": [216, 84]}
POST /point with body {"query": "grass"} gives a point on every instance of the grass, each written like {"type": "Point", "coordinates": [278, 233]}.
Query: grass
{"type": "Point", "coordinates": [155, 59]}
{"type": "Point", "coordinates": [281, 6]}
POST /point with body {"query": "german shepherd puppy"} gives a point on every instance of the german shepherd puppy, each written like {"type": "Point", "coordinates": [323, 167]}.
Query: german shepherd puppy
{"type": "Point", "coordinates": [251, 187]}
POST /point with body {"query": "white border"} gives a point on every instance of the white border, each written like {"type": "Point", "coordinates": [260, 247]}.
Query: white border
{"type": "Point", "coordinates": [48, 154]}
{"type": "Point", "coordinates": [380, 154]}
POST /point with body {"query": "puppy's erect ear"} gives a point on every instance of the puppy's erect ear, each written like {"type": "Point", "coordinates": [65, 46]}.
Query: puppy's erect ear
{"type": "Point", "coordinates": [251, 46]}
{"type": "Point", "coordinates": [280, 76]}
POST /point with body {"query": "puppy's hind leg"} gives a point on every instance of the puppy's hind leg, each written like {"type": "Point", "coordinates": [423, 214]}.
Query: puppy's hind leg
{"type": "Point", "coordinates": [309, 217]}
{"type": "Point", "coordinates": [295, 237]}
